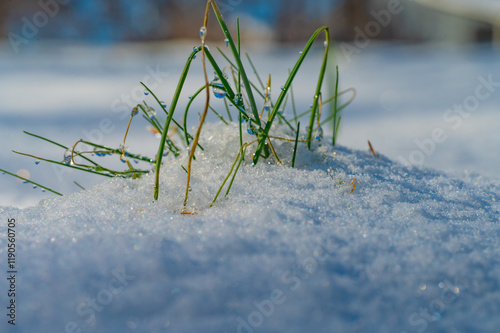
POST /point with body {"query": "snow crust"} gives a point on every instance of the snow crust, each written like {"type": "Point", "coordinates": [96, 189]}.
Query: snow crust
{"type": "Point", "coordinates": [289, 249]}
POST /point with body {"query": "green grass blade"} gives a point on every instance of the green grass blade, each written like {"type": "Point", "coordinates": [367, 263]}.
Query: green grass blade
{"type": "Point", "coordinates": [239, 51]}
{"type": "Point", "coordinates": [57, 144]}
{"type": "Point", "coordinates": [164, 110]}
{"type": "Point", "coordinates": [80, 186]}
{"type": "Point", "coordinates": [45, 139]}
{"type": "Point", "coordinates": [336, 130]}
{"type": "Point", "coordinates": [255, 71]}
{"type": "Point", "coordinates": [66, 165]}
{"type": "Point", "coordinates": [230, 93]}
{"type": "Point", "coordinates": [318, 91]}
{"type": "Point", "coordinates": [296, 144]}
{"type": "Point", "coordinates": [331, 99]}
{"type": "Point", "coordinates": [286, 122]}
{"type": "Point", "coordinates": [352, 98]}
{"type": "Point", "coordinates": [242, 157]}
{"type": "Point", "coordinates": [240, 124]}
{"type": "Point", "coordinates": [257, 89]}
{"type": "Point", "coordinates": [227, 87]}
{"type": "Point", "coordinates": [294, 108]}
{"type": "Point", "coordinates": [164, 135]}
{"type": "Point", "coordinates": [335, 110]}
{"type": "Point", "coordinates": [218, 115]}
{"type": "Point", "coordinates": [241, 68]}
{"type": "Point", "coordinates": [227, 177]}
{"type": "Point", "coordinates": [227, 110]}
{"type": "Point", "coordinates": [31, 182]}
{"type": "Point", "coordinates": [227, 59]}
{"type": "Point", "coordinates": [263, 136]}
{"type": "Point", "coordinates": [108, 150]}
{"type": "Point", "coordinates": [153, 121]}
{"type": "Point", "coordinates": [330, 117]}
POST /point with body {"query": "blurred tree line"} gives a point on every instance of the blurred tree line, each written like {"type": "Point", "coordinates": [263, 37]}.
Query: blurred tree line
{"type": "Point", "coordinates": [133, 20]}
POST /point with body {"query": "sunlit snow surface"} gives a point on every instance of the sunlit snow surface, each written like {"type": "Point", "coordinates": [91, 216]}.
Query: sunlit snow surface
{"type": "Point", "coordinates": [330, 260]}
{"type": "Point", "coordinates": [289, 250]}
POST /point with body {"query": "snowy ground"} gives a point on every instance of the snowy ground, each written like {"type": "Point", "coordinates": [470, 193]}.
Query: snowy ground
{"type": "Point", "coordinates": [413, 249]}
{"type": "Point", "coordinates": [404, 92]}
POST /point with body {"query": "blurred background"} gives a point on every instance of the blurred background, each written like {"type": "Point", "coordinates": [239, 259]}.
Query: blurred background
{"type": "Point", "coordinates": [114, 21]}
{"type": "Point", "coordinates": [70, 69]}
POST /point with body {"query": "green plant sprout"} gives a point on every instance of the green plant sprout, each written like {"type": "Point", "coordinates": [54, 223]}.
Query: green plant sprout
{"type": "Point", "coordinates": [174, 136]}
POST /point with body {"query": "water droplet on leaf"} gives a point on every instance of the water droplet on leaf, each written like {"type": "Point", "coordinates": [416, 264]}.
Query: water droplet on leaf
{"type": "Point", "coordinates": [219, 91]}
{"type": "Point", "coordinates": [203, 32]}
{"type": "Point", "coordinates": [98, 153]}
{"type": "Point", "coordinates": [151, 112]}
{"type": "Point", "coordinates": [67, 157]}
{"type": "Point", "coordinates": [238, 98]}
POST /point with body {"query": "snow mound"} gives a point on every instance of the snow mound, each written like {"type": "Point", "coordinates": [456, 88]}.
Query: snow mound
{"type": "Point", "coordinates": [288, 250]}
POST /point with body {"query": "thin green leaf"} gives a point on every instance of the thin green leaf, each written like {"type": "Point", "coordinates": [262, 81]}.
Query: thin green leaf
{"type": "Point", "coordinates": [31, 182]}
{"type": "Point", "coordinates": [173, 105]}
{"type": "Point", "coordinates": [296, 144]}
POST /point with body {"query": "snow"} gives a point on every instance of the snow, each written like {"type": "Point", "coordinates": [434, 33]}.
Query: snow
{"type": "Point", "coordinates": [412, 249]}
{"type": "Point", "coordinates": [289, 249]}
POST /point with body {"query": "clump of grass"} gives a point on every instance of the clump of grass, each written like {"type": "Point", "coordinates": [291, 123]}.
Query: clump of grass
{"type": "Point", "coordinates": [241, 94]}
